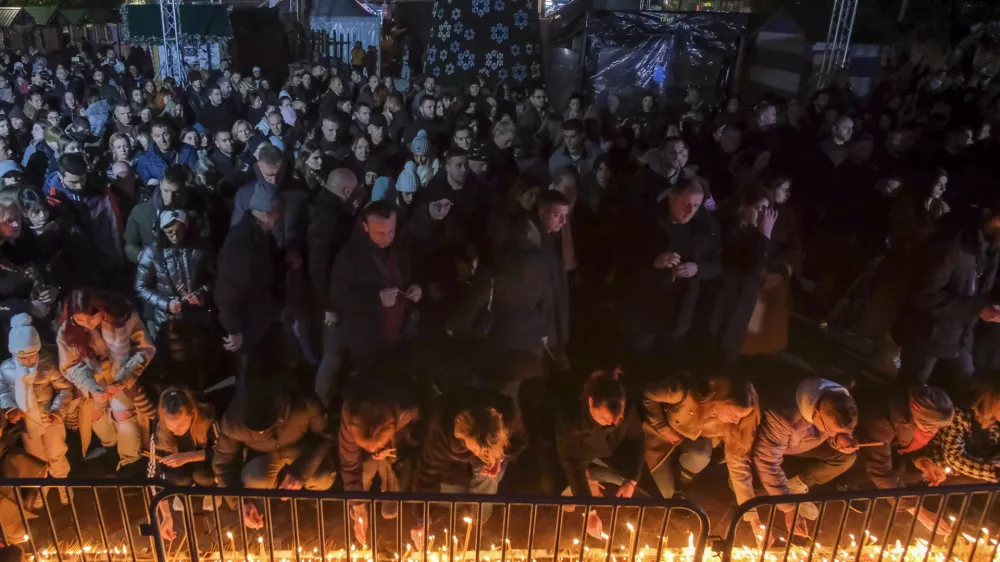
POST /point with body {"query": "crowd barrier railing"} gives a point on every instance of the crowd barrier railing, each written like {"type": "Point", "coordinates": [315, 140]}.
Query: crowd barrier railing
{"type": "Point", "coordinates": [945, 524]}
{"type": "Point", "coordinates": [77, 520]}
{"type": "Point", "coordinates": [113, 520]}
{"type": "Point", "coordinates": [358, 527]}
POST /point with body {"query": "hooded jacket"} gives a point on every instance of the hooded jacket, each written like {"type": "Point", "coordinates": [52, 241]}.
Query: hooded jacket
{"type": "Point", "coordinates": [45, 383]}
{"type": "Point", "coordinates": [786, 428]}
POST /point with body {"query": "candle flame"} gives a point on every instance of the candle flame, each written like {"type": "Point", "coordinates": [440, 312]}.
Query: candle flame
{"type": "Point", "coordinates": [468, 520]}
{"type": "Point", "coordinates": [229, 535]}
{"type": "Point", "coordinates": [630, 527]}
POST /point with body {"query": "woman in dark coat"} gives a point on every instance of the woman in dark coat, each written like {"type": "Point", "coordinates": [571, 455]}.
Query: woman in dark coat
{"type": "Point", "coordinates": [746, 249]}
{"type": "Point", "coordinates": [173, 280]}
{"type": "Point", "coordinates": [768, 329]}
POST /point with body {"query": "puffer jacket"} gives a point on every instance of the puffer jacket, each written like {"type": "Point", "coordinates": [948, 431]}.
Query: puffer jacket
{"type": "Point", "coordinates": [786, 428]}
{"type": "Point", "coordinates": [52, 392]}
{"type": "Point", "coordinates": [171, 273]}
{"type": "Point", "coordinates": [116, 354]}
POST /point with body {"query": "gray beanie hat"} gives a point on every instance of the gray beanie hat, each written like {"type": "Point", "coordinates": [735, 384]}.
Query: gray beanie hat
{"type": "Point", "coordinates": [23, 339]}
{"type": "Point", "coordinates": [265, 198]}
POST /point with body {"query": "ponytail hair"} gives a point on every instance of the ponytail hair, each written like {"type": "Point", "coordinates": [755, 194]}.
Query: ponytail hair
{"type": "Point", "coordinates": [738, 437]}
{"type": "Point", "coordinates": [605, 389]}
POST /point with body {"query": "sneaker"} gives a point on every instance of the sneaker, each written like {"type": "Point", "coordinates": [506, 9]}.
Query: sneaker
{"type": "Point", "coordinates": [64, 495]}
{"type": "Point", "coordinates": [797, 486]}
{"type": "Point", "coordinates": [208, 505]}
{"type": "Point", "coordinates": [178, 505]}
{"type": "Point", "coordinates": [807, 510]}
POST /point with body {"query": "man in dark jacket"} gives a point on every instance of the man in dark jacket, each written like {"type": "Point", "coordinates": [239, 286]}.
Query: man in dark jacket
{"type": "Point", "coordinates": [285, 434]}
{"type": "Point", "coordinates": [901, 427]}
{"type": "Point", "coordinates": [949, 292]}
{"type": "Point", "coordinates": [677, 251]}
{"type": "Point", "coordinates": [163, 152]}
{"type": "Point", "coordinates": [332, 220]}
{"type": "Point", "coordinates": [553, 212]}
{"type": "Point", "coordinates": [195, 93]}
{"type": "Point", "coordinates": [370, 287]}
{"type": "Point", "coordinates": [426, 121]}
{"type": "Point", "coordinates": [249, 285]}
{"type": "Point", "coordinates": [223, 157]}
{"type": "Point", "coordinates": [216, 115]}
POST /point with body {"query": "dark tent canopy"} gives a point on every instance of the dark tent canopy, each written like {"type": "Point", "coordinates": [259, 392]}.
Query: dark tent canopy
{"type": "Point", "coordinates": [199, 23]}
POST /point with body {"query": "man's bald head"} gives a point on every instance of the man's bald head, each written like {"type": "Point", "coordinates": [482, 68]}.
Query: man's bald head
{"type": "Point", "coordinates": [342, 182]}
{"type": "Point", "coordinates": [120, 168]}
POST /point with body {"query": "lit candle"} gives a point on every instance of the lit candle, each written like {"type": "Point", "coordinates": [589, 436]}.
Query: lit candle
{"type": "Point", "coordinates": [631, 536]}
{"type": "Point", "coordinates": [232, 542]}
{"type": "Point", "coordinates": [409, 547]}
{"type": "Point", "coordinates": [468, 533]}
{"type": "Point", "coordinates": [260, 545]}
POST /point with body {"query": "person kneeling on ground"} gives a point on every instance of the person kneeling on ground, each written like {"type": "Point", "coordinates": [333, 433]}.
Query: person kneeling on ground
{"type": "Point", "coordinates": [186, 436]}
{"type": "Point", "coordinates": [599, 440]}
{"type": "Point", "coordinates": [376, 437]}
{"type": "Point", "coordinates": [813, 420]}
{"type": "Point", "coordinates": [284, 432]}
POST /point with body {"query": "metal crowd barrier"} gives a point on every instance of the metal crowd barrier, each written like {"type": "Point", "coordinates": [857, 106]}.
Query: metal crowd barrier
{"type": "Point", "coordinates": [110, 520]}
{"type": "Point", "coordinates": [322, 526]}
{"type": "Point", "coordinates": [101, 519]}
{"type": "Point", "coordinates": [945, 524]}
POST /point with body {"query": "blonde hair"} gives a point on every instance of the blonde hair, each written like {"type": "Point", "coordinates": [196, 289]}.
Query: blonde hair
{"type": "Point", "coordinates": [987, 402]}
{"type": "Point", "coordinates": [487, 428]}
{"type": "Point", "coordinates": [174, 401]}
{"type": "Point", "coordinates": [237, 124]}
{"type": "Point", "coordinates": [503, 127]}
{"type": "Point", "coordinates": [738, 437]}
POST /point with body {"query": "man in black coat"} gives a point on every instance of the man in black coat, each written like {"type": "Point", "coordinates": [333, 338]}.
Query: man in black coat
{"type": "Point", "coordinates": [216, 115]}
{"type": "Point", "coordinates": [249, 286]}
{"type": "Point", "coordinates": [676, 251]}
{"type": "Point", "coordinates": [332, 220]}
{"type": "Point", "coordinates": [949, 292]}
{"type": "Point", "coordinates": [223, 156]}
{"type": "Point", "coordinates": [370, 287]}
{"type": "Point", "coordinates": [553, 212]}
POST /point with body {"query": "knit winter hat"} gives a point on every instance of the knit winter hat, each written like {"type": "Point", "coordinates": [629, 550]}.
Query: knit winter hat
{"type": "Point", "coordinates": [194, 75]}
{"type": "Point", "coordinates": [419, 142]}
{"type": "Point", "coordinates": [381, 188]}
{"type": "Point", "coordinates": [172, 215]}
{"type": "Point", "coordinates": [407, 181]}
{"type": "Point", "coordinates": [23, 339]}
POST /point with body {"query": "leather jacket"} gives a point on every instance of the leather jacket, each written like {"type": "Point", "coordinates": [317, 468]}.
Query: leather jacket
{"type": "Point", "coordinates": [169, 273]}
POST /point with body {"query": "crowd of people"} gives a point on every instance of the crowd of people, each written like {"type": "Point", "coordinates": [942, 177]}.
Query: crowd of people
{"type": "Point", "coordinates": [413, 286]}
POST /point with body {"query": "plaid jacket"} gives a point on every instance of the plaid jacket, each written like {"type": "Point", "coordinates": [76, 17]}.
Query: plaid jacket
{"type": "Point", "coordinates": [967, 449]}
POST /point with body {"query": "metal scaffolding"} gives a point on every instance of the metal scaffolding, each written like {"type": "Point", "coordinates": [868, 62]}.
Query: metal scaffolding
{"type": "Point", "coordinates": [838, 40]}
{"type": "Point", "coordinates": [171, 63]}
